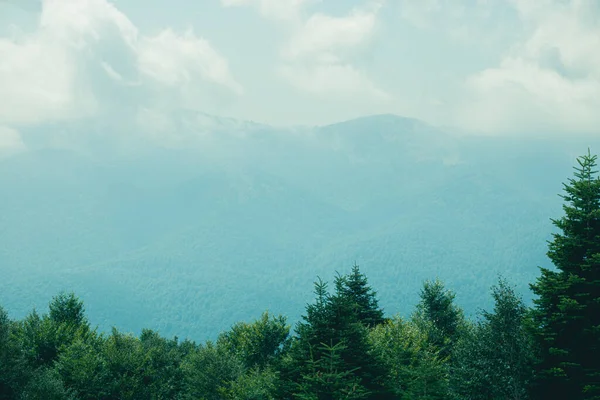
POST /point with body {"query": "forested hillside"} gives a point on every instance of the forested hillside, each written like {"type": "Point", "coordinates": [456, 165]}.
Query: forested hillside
{"type": "Point", "coordinates": [345, 346]}
{"type": "Point", "coordinates": [234, 218]}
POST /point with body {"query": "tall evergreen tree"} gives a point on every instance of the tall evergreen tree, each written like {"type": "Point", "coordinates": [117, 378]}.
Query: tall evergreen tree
{"type": "Point", "coordinates": [567, 308]}
{"type": "Point", "coordinates": [333, 322]}
{"type": "Point", "coordinates": [356, 288]}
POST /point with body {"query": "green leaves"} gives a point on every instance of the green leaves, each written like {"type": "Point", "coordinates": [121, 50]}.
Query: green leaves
{"type": "Point", "coordinates": [257, 344]}
{"type": "Point", "coordinates": [494, 358]}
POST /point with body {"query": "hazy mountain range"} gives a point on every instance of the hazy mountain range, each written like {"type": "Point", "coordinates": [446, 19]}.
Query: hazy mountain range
{"type": "Point", "coordinates": [219, 220]}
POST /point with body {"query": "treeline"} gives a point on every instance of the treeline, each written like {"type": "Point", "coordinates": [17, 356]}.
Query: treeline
{"type": "Point", "coordinates": [345, 347]}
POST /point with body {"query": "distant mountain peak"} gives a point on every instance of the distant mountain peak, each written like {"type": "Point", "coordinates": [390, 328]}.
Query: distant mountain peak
{"type": "Point", "coordinates": [383, 120]}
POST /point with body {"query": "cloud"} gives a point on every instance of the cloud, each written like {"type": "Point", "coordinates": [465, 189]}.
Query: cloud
{"type": "Point", "coordinates": [323, 36]}
{"type": "Point", "coordinates": [319, 56]}
{"type": "Point", "coordinates": [468, 22]}
{"type": "Point", "coordinates": [274, 9]}
{"type": "Point", "coordinates": [319, 51]}
{"type": "Point", "coordinates": [86, 58]}
{"type": "Point", "coordinates": [549, 80]}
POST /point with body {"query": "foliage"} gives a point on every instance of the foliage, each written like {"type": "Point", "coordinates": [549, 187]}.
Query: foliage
{"type": "Point", "coordinates": [439, 317]}
{"type": "Point", "coordinates": [333, 336]}
{"type": "Point", "coordinates": [494, 358]}
{"type": "Point", "coordinates": [567, 307]}
{"type": "Point", "coordinates": [414, 367]}
{"type": "Point", "coordinates": [259, 343]}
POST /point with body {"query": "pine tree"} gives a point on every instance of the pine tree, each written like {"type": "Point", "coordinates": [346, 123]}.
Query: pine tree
{"type": "Point", "coordinates": [356, 288]}
{"type": "Point", "coordinates": [333, 322]}
{"type": "Point", "coordinates": [328, 378]}
{"type": "Point", "coordinates": [567, 308]}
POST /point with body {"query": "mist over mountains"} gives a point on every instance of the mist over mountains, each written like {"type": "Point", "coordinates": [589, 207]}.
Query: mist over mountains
{"type": "Point", "coordinates": [222, 219]}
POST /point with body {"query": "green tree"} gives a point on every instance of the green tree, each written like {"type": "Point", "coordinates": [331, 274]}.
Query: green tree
{"type": "Point", "coordinates": [334, 321]}
{"type": "Point", "coordinates": [84, 369]}
{"type": "Point", "coordinates": [259, 343]}
{"type": "Point", "coordinates": [46, 384]}
{"type": "Point", "coordinates": [328, 378]}
{"type": "Point", "coordinates": [66, 308]}
{"type": "Point", "coordinates": [494, 359]}
{"type": "Point", "coordinates": [43, 337]}
{"type": "Point", "coordinates": [356, 288]}
{"type": "Point", "coordinates": [210, 371]}
{"type": "Point", "coordinates": [413, 366]}
{"type": "Point", "coordinates": [439, 317]}
{"type": "Point", "coordinates": [14, 371]}
{"type": "Point", "coordinates": [567, 307]}
{"type": "Point", "coordinates": [255, 384]}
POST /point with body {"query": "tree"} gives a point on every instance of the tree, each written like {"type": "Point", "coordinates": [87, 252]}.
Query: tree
{"type": "Point", "coordinates": [66, 308]}
{"type": "Point", "coordinates": [258, 343]}
{"type": "Point", "coordinates": [210, 371]}
{"type": "Point", "coordinates": [414, 369]}
{"type": "Point", "coordinates": [332, 330]}
{"type": "Point", "coordinates": [439, 317]}
{"type": "Point", "coordinates": [255, 384]}
{"type": "Point", "coordinates": [13, 367]}
{"type": "Point", "coordinates": [42, 337]}
{"type": "Point", "coordinates": [567, 307]}
{"type": "Point", "coordinates": [494, 359]}
{"type": "Point", "coordinates": [356, 288]}
{"type": "Point", "coordinates": [328, 378]}
{"type": "Point", "coordinates": [46, 385]}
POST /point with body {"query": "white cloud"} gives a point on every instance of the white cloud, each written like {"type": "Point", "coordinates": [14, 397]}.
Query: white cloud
{"type": "Point", "coordinates": [472, 22]}
{"type": "Point", "coordinates": [274, 9]}
{"type": "Point", "coordinates": [86, 57]}
{"type": "Point", "coordinates": [323, 36]}
{"type": "Point", "coordinates": [319, 56]}
{"type": "Point", "coordinates": [548, 81]}
{"type": "Point", "coordinates": [176, 60]}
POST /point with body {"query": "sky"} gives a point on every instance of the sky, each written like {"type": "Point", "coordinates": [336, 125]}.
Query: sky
{"type": "Point", "coordinates": [482, 66]}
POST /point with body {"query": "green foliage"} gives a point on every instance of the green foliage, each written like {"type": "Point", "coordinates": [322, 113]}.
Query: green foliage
{"type": "Point", "coordinates": [439, 317]}
{"type": "Point", "coordinates": [257, 344]}
{"type": "Point", "coordinates": [332, 329]}
{"type": "Point", "coordinates": [356, 288]}
{"type": "Point", "coordinates": [494, 358]}
{"type": "Point", "coordinates": [414, 368]}
{"type": "Point", "coordinates": [255, 384]}
{"type": "Point", "coordinates": [43, 337]}
{"type": "Point", "coordinates": [46, 384]}
{"type": "Point", "coordinates": [567, 307]}
{"type": "Point", "coordinates": [13, 366]}
{"type": "Point", "coordinates": [66, 308]}
{"type": "Point", "coordinates": [329, 378]}
{"type": "Point", "coordinates": [209, 372]}
{"type": "Point", "coordinates": [84, 368]}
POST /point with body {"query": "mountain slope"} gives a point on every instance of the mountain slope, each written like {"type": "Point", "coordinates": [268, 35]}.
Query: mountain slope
{"type": "Point", "coordinates": [238, 218]}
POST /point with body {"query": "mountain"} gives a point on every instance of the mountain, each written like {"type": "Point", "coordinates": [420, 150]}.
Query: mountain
{"type": "Point", "coordinates": [210, 220]}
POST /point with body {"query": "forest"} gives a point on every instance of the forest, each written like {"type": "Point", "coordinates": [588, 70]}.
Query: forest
{"type": "Point", "coordinates": [345, 346]}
